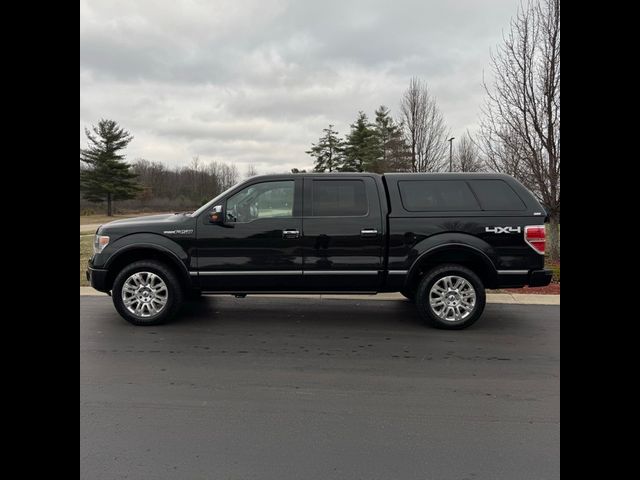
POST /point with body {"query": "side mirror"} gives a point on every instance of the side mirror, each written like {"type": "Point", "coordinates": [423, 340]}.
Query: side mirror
{"type": "Point", "coordinates": [216, 215]}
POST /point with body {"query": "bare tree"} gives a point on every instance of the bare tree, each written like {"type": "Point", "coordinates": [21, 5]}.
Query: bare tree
{"type": "Point", "coordinates": [467, 156]}
{"type": "Point", "coordinates": [185, 187]}
{"type": "Point", "coordinates": [521, 122]}
{"type": "Point", "coordinates": [252, 171]}
{"type": "Point", "coordinates": [225, 175]}
{"type": "Point", "coordinates": [198, 177]}
{"type": "Point", "coordinates": [424, 128]}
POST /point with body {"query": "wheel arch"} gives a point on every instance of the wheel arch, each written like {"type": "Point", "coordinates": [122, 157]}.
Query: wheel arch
{"type": "Point", "coordinates": [459, 253]}
{"type": "Point", "coordinates": [146, 251]}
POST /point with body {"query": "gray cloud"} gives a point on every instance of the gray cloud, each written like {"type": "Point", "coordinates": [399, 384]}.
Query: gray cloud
{"type": "Point", "coordinates": [256, 81]}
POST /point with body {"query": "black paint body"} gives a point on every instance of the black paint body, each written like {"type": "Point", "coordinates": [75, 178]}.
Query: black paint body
{"type": "Point", "coordinates": [383, 250]}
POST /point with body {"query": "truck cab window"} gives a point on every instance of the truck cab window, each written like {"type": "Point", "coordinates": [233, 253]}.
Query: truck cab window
{"type": "Point", "coordinates": [261, 200]}
{"type": "Point", "coordinates": [339, 198]}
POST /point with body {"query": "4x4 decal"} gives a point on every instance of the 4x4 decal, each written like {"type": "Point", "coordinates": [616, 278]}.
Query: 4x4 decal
{"type": "Point", "coordinates": [503, 229]}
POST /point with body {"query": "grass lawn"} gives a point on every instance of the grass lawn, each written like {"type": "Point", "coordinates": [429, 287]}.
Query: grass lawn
{"type": "Point", "coordinates": [86, 249]}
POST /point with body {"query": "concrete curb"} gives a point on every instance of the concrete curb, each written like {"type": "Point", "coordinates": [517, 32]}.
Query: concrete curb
{"type": "Point", "coordinates": [511, 298]}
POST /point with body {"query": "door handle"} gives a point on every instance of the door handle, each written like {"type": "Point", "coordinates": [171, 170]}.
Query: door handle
{"type": "Point", "coordinates": [368, 232]}
{"type": "Point", "coordinates": [290, 233]}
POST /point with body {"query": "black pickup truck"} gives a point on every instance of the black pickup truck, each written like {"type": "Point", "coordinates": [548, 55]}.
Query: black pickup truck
{"type": "Point", "coordinates": [439, 239]}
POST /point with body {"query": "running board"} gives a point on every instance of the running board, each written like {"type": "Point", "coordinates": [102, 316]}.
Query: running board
{"type": "Point", "coordinates": [294, 292]}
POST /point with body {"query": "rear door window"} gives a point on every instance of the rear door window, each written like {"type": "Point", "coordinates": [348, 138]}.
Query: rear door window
{"type": "Point", "coordinates": [339, 198]}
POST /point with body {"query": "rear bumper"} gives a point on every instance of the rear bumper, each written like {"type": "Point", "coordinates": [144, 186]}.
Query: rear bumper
{"type": "Point", "coordinates": [97, 278]}
{"type": "Point", "coordinates": [540, 278]}
{"type": "Point", "coordinates": [521, 278]}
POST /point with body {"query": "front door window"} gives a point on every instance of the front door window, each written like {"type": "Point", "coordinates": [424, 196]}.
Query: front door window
{"type": "Point", "coordinates": [261, 200]}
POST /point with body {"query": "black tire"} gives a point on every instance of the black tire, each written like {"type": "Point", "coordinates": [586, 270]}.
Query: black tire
{"type": "Point", "coordinates": [427, 313]}
{"type": "Point", "coordinates": [174, 298]}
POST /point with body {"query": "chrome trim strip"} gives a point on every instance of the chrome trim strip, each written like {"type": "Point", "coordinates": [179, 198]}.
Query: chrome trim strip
{"type": "Point", "coordinates": [251, 272]}
{"type": "Point", "coordinates": [340, 272]}
{"type": "Point", "coordinates": [329, 272]}
{"type": "Point", "coordinates": [289, 272]}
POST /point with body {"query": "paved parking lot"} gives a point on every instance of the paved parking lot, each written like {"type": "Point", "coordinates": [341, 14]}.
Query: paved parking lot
{"type": "Point", "coordinates": [288, 388]}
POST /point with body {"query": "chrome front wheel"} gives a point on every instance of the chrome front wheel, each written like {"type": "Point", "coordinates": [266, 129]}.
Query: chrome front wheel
{"type": "Point", "coordinates": [145, 294]}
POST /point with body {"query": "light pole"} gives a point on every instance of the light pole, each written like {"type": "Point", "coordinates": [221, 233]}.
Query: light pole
{"type": "Point", "coordinates": [451, 153]}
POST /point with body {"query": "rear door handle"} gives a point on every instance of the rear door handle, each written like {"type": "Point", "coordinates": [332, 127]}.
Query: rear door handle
{"type": "Point", "coordinates": [368, 232]}
{"type": "Point", "coordinates": [290, 233]}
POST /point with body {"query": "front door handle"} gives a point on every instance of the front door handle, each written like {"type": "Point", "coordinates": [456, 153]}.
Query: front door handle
{"type": "Point", "coordinates": [368, 232]}
{"type": "Point", "coordinates": [290, 233]}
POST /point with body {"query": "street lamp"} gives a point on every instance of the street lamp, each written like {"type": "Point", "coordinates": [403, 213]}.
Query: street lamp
{"type": "Point", "coordinates": [451, 153]}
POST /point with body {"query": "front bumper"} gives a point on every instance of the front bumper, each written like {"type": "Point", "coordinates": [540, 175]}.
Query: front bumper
{"type": "Point", "coordinates": [97, 278]}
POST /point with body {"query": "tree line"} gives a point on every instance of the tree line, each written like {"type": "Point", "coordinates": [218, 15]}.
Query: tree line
{"type": "Point", "coordinates": [417, 142]}
{"type": "Point", "coordinates": [191, 186]}
{"type": "Point", "coordinates": [144, 185]}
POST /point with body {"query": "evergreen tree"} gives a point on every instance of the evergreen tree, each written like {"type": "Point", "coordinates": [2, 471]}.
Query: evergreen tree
{"type": "Point", "coordinates": [362, 150]}
{"type": "Point", "coordinates": [328, 152]}
{"type": "Point", "coordinates": [106, 176]}
{"type": "Point", "coordinates": [399, 152]}
{"type": "Point", "coordinates": [394, 153]}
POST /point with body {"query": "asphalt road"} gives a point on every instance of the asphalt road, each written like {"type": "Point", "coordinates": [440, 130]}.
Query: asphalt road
{"type": "Point", "coordinates": [262, 388]}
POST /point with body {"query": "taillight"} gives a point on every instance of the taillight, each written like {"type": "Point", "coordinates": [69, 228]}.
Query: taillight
{"type": "Point", "coordinates": [535, 236]}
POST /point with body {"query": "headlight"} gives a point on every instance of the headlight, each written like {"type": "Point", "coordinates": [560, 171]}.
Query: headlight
{"type": "Point", "coordinates": [99, 242]}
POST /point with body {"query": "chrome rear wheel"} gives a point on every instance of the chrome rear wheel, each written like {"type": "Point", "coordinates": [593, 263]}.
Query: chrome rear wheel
{"type": "Point", "coordinates": [452, 298]}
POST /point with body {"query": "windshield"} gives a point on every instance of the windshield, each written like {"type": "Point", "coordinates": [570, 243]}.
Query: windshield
{"type": "Point", "coordinates": [212, 203]}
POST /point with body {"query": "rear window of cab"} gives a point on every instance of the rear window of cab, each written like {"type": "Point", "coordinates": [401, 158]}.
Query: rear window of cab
{"type": "Point", "coordinates": [458, 195]}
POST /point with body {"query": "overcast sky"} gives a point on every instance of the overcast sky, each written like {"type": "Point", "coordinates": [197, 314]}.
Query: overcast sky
{"type": "Point", "coordinates": [255, 81]}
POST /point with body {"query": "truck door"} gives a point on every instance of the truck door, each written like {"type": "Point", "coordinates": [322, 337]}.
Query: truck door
{"type": "Point", "coordinates": [342, 234]}
{"type": "Point", "coordinates": [258, 248]}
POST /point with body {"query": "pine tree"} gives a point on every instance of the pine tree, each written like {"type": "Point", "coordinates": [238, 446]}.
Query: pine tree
{"type": "Point", "coordinates": [399, 152]}
{"type": "Point", "coordinates": [105, 175]}
{"type": "Point", "coordinates": [328, 152]}
{"type": "Point", "coordinates": [362, 150]}
{"type": "Point", "coordinates": [394, 154]}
